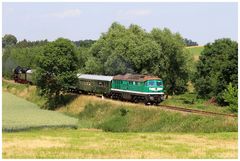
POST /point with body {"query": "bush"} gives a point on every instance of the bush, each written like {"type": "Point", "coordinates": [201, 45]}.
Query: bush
{"type": "Point", "coordinates": [217, 67]}
{"type": "Point", "coordinates": [230, 95]}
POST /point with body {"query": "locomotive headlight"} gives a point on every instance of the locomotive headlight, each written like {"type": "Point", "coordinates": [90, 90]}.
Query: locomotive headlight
{"type": "Point", "coordinates": [155, 89]}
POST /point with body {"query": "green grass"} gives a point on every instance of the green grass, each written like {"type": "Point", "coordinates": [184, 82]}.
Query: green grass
{"type": "Point", "coordinates": [68, 143]}
{"type": "Point", "coordinates": [150, 119]}
{"type": "Point", "coordinates": [195, 52]}
{"type": "Point", "coordinates": [25, 91]}
{"type": "Point", "coordinates": [190, 100]}
{"type": "Point", "coordinates": [19, 114]}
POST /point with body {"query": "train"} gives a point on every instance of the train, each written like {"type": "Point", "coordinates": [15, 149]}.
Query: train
{"type": "Point", "coordinates": [23, 75]}
{"type": "Point", "coordinates": [130, 87]}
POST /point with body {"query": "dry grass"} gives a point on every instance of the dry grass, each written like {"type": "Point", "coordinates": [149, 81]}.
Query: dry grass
{"type": "Point", "coordinates": [97, 144]}
{"type": "Point", "coordinates": [78, 104]}
{"type": "Point", "coordinates": [194, 47]}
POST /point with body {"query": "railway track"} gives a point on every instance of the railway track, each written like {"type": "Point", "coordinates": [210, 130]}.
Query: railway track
{"type": "Point", "coordinates": [196, 111]}
{"type": "Point", "coordinates": [188, 110]}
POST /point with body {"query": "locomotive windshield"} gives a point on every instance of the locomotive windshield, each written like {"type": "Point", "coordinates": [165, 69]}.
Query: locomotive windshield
{"type": "Point", "coordinates": [153, 83]}
{"type": "Point", "coordinates": [159, 83]}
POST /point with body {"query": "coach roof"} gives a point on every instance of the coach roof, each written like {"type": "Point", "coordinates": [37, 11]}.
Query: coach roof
{"type": "Point", "coordinates": [95, 77]}
{"type": "Point", "coordinates": [135, 77]}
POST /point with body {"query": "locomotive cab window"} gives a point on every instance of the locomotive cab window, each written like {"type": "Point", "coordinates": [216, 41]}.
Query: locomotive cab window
{"type": "Point", "coordinates": [150, 83]}
{"type": "Point", "coordinates": [159, 83]}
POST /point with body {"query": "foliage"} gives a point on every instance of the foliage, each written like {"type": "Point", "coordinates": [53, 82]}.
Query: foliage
{"type": "Point", "coordinates": [56, 70]}
{"type": "Point", "coordinates": [25, 57]}
{"type": "Point", "coordinates": [216, 68]}
{"type": "Point", "coordinates": [230, 95]}
{"type": "Point", "coordinates": [132, 50]}
{"type": "Point", "coordinates": [19, 114]}
{"type": "Point", "coordinates": [8, 40]}
{"type": "Point", "coordinates": [26, 44]}
{"type": "Point", "coordinates": [84, 43]}
{"type": "Point", "coordinates": [189, 42]}
{"type": "Point", "coordinates": [172, 64]}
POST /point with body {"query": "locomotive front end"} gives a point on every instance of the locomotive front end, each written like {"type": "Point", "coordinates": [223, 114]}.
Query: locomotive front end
{"type": "Point", "coordinates": [155, 90]}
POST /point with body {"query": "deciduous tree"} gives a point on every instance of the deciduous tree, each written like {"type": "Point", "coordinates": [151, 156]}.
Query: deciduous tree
{"type": "Point", "coordinates": [57, 69]}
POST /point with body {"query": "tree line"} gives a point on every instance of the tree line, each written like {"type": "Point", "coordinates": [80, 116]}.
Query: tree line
{"type": "Point", "coordinates": [122, 50]}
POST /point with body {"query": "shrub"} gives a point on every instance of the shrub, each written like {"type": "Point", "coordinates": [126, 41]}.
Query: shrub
{"type": "Point", "coordinates": [230, 95]}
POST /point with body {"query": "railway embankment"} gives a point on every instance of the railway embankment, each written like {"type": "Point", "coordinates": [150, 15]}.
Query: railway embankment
{"type": "Point", "coordinates": [117, 116]}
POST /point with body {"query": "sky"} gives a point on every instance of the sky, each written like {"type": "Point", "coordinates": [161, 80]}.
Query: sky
{"type": "Point", "coordinates": [200, 22]}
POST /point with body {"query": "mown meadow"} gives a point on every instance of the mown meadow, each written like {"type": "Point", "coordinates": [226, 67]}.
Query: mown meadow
{"type": "Point", "coordinates": [91, 143]}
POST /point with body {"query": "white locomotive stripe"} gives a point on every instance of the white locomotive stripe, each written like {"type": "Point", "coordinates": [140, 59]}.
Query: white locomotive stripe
{"type": "Point", "coordinates": [120, 90]}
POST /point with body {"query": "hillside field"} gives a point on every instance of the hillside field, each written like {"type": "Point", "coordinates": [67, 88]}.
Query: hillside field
{"type": "Point", "coordinates": [195, 51]}
{"type": "Point", "coordinates": [19, 114]}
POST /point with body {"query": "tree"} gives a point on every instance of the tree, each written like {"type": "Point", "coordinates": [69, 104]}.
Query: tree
{"type": "Point", "coordinates": [172, 64]}
{"type": "Point", "coordinates": [189, 42]}
{"type": "Point", "coordinates": [133, 50]}
{"type": "Point", "coordinates": [230, 95]}
{"type": "Point", "coordinates": [84, 43]}
{"type": "Point", "coordinates": [9, 40]}
{"type": "Point", "coordinates": [24, 43]}
{"type": "Point", "coordinates": [14, 56]}
{"type": "Point", "coordinates": [123, 50]}
{"type": "Point", "coordinates": [217, 68]}
{"type": "Point", "coordinates": [56, 70]}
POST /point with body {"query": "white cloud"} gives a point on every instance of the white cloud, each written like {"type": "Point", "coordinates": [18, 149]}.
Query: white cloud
{"type": "Point", "coordinates": [134, 13]}
{"type": "Point", "coordinates": [66, 13]}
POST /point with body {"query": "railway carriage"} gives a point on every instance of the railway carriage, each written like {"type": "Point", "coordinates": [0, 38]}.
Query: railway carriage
{"type": "Point", "coordinates": [97, 84]}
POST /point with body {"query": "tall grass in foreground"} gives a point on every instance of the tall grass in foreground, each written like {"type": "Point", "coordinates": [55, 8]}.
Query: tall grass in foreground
{"type": "Point", "coordinates": [134, 119]}
{"type": "Point", "coordinates": [19, 114]}
{"type": "Point", "coordinates": [90, 143]}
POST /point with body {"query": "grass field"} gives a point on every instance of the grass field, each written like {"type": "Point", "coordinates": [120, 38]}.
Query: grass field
{"type": "Point", "coordinates": [19, 114]}
{"type": "Point", "coordinates": [195, 51]}
{"type": "Point", "coordinates": [25, 91]}
{"type": "Point", "coordinates": [68, 143]}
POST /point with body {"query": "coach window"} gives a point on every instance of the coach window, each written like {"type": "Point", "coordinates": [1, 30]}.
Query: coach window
{"type": "Point", "coordinates": [100, 83]}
